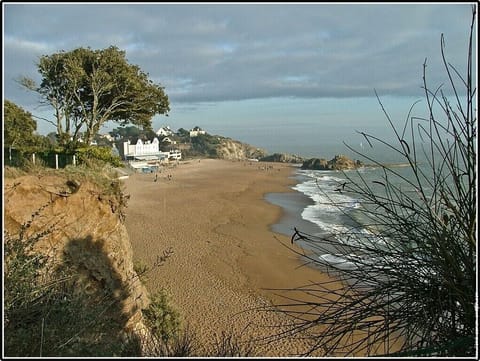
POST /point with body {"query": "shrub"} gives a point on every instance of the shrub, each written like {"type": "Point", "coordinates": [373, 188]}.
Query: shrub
{"type": "Point", "coordinates": [91, 154]}
{"type": "Point", "coordinates": [161, 318]}
{"type": "Point", "coordinates": [141, 269]}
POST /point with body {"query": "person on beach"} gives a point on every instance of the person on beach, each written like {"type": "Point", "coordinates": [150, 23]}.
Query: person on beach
{"type": "Point", "coordinates": [156, 176]}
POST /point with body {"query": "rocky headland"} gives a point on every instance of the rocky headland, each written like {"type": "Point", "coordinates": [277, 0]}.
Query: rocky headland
{"type": "Point", "coordinates": [339, 162]}
{"type": "Point", "coordinates": [283, 158]}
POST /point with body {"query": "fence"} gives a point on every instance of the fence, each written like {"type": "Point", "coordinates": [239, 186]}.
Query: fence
{"type": "Point", "coordinates": [15, 158]}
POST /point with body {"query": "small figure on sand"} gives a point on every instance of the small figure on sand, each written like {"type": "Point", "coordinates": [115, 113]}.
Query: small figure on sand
{"type": "Point", "coordinates": [156, 176]}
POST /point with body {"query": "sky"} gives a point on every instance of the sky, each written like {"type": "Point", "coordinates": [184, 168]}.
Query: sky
{"type": "Point", "coordinates": [249, 70]}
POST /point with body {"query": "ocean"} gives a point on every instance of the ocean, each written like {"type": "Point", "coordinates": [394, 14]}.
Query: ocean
{"type": "Point", "coordinates": [312, 207]}
{"type": "Point", "coordinates": [320, 208]}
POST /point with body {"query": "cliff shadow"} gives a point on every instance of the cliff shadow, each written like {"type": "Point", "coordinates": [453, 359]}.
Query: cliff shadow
{"type": "Point", "coordinates": [71, 304]}
{"type": "Point", "coordinates": [100, 302]}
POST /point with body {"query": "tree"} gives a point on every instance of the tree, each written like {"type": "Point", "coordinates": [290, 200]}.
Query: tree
{"type": "Point", "coordinates": [184, 135]}
{"type": "Point", "coordinates": [133, 133]}
{"type": "Point", "coordinates": [88, 88]}
{"type": "Point", "coordinates": [409, 277]}
{"type": "Point", "coordinates": [19, 127]}
{"type": "Point", "coordinates": [52, 138]}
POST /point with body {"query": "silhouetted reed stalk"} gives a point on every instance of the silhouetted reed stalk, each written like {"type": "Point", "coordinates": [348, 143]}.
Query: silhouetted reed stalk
{"type": "Point", "coordinates": [408, 272]}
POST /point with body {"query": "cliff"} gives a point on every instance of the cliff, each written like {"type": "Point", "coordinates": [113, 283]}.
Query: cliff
{"type": "Point", "coordinates": [235, 150]}
{"type": "Point", "coordinates": [80, 224]}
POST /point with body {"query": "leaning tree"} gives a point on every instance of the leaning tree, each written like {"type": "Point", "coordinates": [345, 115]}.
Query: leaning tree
{"type": "Point", "coordinates": [88, 88]}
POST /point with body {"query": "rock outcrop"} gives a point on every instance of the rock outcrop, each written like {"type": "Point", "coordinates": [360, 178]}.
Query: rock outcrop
{"type": "Point", "coordinates": [339, 162]}
{"type": "Point", "coordinates": [282, 158]}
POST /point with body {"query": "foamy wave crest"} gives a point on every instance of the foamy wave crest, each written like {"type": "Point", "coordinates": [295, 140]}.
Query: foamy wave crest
{"type": "Point", "coordinates": [318, 214]}
{"type": "Point", "coordinates": [360, 237]}
{"type": "Point", "coordinates": [330, 205]}
{"type": "Point", "coordinates": [353, 261]}
{"type": "Point", "coordinates": [338, 261]}
{"type": "Point", "coordinates": [333, 208]}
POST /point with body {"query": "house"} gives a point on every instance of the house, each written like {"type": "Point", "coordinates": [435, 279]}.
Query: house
{"type": "Point", "coordinates": [164, 131]}
{"type": "Point", "coordinates": [168, 140]}
{"type": "Point", "coordinates": [196, 132]}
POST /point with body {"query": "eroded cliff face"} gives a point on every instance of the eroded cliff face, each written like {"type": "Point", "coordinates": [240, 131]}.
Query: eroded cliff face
{"type": "Point", "coordinates": [235, 150]}
{"type": "Point", "coordinates": [84, 226]}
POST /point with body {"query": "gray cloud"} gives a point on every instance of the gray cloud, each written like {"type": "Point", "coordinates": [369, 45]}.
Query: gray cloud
{"type": "Point", "coordinates": [203, 52]}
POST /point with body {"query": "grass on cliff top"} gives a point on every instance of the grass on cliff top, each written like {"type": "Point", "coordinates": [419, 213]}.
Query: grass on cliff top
{"type": "Point", "coordinates": [102, 174]}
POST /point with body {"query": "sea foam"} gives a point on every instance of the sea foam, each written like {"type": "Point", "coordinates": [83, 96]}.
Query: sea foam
{"type": "Point", "coordinates": [331, 205]}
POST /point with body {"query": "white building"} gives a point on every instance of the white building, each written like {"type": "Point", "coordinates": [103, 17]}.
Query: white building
{"type": "Point", "coordinates": [140, 148]}
{"type": "Point", "coordinates": [164, 131]}
{"type": "Point", "coordinates": [148, 151]}
{"type": "Point", "coordinates": [196, 132]}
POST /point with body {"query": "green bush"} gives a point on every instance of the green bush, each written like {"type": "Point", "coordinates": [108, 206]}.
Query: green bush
{"type": "Point", "coordinates": [89, 155]}
{"type": "Point", "coordinates": [141, 269]}
{"type": "Point", "coordinates": [205, 144]}
{"type": "Point", "coordinates": [161, 318]}
{"type": "Point", "coordinates": [21, 268]}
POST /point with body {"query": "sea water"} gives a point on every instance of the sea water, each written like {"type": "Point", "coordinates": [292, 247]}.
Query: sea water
{"type": "Point", "coordinates": [322, 207]}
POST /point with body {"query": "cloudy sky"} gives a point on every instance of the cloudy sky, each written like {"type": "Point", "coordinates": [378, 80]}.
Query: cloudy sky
{"type": "Point", "coordinates": [225, 64]}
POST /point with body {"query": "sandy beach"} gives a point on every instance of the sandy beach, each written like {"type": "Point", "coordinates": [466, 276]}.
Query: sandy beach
{"type": "Point", "coordinates": [212, 215]}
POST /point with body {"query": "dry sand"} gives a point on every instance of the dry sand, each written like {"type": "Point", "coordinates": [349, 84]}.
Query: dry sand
{"type": "Point", "coordinates": [213, 216]}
